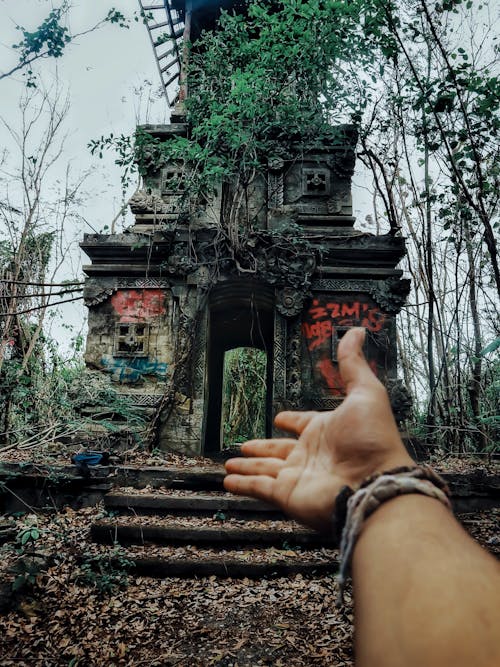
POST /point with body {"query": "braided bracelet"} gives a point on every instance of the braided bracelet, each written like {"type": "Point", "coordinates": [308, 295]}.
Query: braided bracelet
{"type": "Point", "coordinates": [358, 505]}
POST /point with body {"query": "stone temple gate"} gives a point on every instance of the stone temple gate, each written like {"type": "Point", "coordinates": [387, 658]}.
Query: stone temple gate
{"type": "Point", "coordinates": [161, 320]}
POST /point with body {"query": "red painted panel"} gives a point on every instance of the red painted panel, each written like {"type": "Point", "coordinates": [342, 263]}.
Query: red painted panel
{"type": "Point", "coordinates": [138, 305]}
{"type": "Point", "coordinates": [322, 318]}
{"type": "Point", "coordinates": [331, 375]}
{"type": "Point", "coordinates": [320, 326]}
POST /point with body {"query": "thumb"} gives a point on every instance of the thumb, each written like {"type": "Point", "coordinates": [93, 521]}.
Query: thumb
{"type": "Point", "coordinates": [293, 422]}
{"type": "Point", "coordinates": [353, 366]}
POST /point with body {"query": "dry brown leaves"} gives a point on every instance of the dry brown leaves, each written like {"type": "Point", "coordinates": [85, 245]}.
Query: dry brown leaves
{"type": "Point", "coordinates": [283, 622]}
{"type": "Point", "coordinates": [60, 453]}
{"type": "Point", "coordinates": [193, 622]}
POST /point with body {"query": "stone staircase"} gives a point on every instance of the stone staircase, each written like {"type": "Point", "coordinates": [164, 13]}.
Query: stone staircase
{"type": "Point", "coordinates": [177, 520]}
{"type": "Point", "coordinates": [183, 523]}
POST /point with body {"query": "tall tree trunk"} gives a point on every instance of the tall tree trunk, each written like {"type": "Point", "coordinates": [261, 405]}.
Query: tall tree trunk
{"type": "Point", "coordinates": [474, 385]}
{"type": "Point", "coordinates": [429, 271]}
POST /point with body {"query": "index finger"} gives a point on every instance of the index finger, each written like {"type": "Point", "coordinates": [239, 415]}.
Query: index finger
{"type": "Point", "coordinates": [294, 422]}
{"type": "Point", "coordinates": [255, 486]}
{"type": "Point", "coordinates": [277, 447]}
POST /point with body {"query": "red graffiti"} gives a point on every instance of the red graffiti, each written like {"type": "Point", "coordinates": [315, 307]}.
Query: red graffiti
{"type": "Point", "coordinates": [318, 333]}
{"type": "Point", "coordinates": [324, 318]}
{"type": "Point", "coordinates": [138, 305]}
{"type": "Point", "coordinates": [336, 310]}
{"type": "Point", "coordinates": [332, 377]}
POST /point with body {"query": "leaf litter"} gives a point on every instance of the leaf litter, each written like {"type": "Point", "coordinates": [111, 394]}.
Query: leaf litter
{"type": "Point", "coordinates": [64, 619]}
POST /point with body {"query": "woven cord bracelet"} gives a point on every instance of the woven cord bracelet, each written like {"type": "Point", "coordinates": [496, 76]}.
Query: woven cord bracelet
{"type": "Point", "coordinates": [374, 491]}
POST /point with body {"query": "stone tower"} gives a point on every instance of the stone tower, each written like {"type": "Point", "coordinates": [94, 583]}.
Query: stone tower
{"type": "Point", "coordinates": [161, 319]}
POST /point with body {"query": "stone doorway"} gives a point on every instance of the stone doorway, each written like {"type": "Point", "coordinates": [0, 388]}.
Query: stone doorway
{"type": "Point", "coordinates": [241, 315]}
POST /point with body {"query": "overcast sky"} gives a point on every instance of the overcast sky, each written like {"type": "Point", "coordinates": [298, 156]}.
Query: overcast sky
{"type": "Point", "coordinates": [102, 72]}
{"type": "Point", "coordinates": [109, 75]}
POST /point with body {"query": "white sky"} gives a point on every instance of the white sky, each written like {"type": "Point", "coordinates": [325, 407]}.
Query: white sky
{"type": "Point", "coordinates": [103, 73]}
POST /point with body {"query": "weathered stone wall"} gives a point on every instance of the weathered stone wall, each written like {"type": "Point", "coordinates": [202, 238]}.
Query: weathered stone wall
{"type": "Point", "coordinates": [170, 296]}
{"type": "Point", "coordinates": [130, 337]}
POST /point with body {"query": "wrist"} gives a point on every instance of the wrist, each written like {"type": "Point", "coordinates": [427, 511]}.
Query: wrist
{"type": "Point", "coordinates": [378, 464]}
{"type": "Point", "coordinates": [395, 522]}
{"type": "Point", "coordinates": [376, 491]}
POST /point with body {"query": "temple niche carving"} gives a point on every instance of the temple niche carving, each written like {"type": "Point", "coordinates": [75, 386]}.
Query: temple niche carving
{"type": "Point", "coordinates": [161, 319]}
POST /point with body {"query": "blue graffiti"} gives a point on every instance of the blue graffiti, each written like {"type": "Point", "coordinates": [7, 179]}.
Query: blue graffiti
{"type": "Point", "coordinates": [131, 371]}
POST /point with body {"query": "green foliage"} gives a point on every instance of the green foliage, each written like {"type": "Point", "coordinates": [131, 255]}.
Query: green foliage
{"type": "Point", "coordinates": [449, 101]}
{"type": "Point", "coordinates": [431, 141]}
{"type": "Point", "coordinates": [266, 87]}
{"type": "Point", "coordinates": [28, 570]}
{"type": "Point", "coordinates": [489, 416]}
{"type": "Point", "coordinates": [244, 395]}
{"type": "Point", "coordinates": [28, 565]}
{"type": "Point", "coordinates": [26, 535]}
{"type": "Point", "coordinates": [460, 431]}
{"type": "Point", "coordinates": [52, 36]}
{"type": "Point", "coordinates": [277, 83]}
{"type": "Point", "coordinates": [52, 399]}
{"type": "Point", "coordinates": [106, 572]}
{"type": "Point", "coordinates": [124, 146]}
{"type": "Point", "coordinates": [257, 84]}
{"type": "Point", "coordinates": [491, 347]}
{"type": "Point", "coordinates": [115, 16]}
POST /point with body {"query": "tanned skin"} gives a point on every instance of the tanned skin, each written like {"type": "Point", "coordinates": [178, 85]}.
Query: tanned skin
{"type": "Point", "coordinates": [426, 595]}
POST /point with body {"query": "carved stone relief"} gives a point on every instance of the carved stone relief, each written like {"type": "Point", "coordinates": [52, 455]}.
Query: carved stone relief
{"type": "Point", "coordinates": [131, 339]}
{"type": "Point", "coordinates": [97, 290]}
{"type": "Point", "coordinates": [145, 400]}
{"type": "Point", "coordinates": [294, 365]}
{"type": "Point", "coordinates": [275, 190]}
{"type": "Point", "coordinates": [400, 398]}
{"type": "Point", "coordinates": [290, 302]}
{"type": "Point", "coordinates": [143, 202]}
{"type": "Point", "coordinates": [143, 283]}
{"type": "Point", "coordinates": [342, 162]}
{"type": "Point", "coordinates": [279, 359]}
{"type": "Point", "coordinates": [339, 201]}
{"type": "Point", "coordinates": [199, 355]}
{"type": "Point", "coordinates": [172, 180]}
{"type": "Point", "coordinates": [315, 182]}
{"type": "Point", "coordinates": [390, 294]}
{"type": "Point", "coordinates": [323, 403]}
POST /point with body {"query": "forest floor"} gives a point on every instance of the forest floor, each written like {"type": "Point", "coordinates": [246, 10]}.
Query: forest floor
{"type": "Point", "coordinates": [81, 610]}
{"type": "Point", "coordinates": [79, 603]}
{"type": "Point", "coordinates": [78, 607]}
{"type": "Point", "coordinates": [60, 454]}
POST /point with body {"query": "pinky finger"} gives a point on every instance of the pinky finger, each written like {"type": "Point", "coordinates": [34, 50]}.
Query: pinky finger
{"type": "Point", "coordinates": [255, 486]}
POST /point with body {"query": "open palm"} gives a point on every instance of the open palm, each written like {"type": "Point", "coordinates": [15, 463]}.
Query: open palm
{"type": "Point", "coordinates": [303, 476]}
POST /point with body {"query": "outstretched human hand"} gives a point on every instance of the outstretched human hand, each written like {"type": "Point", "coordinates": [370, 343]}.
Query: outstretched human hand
{"type": "Point", "coordinates": [303, 477]}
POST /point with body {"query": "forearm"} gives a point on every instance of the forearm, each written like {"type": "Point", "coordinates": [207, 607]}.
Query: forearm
{"type": "Point", "coordinates": [425, 592]}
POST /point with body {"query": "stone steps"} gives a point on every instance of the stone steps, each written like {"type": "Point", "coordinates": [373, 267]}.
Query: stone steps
{"type": "Point", "coordinates": [177, 521]}
{"type": "Point", "coordinates": [46, 484]}
{"type": "Point", "coordinates": [198, 503]}
{"type": "Point", "coordinates": [172, 533]}
{"type": "Point", "coordinates": [194, 478]}
{"type": "Point", "coordinates": [185, 525]}
{"type": "Point", "coordinates": [225, 566]}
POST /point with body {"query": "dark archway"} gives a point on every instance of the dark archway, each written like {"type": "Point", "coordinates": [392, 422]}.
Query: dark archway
{"type": "Point", "coordinates": [241, 314]}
